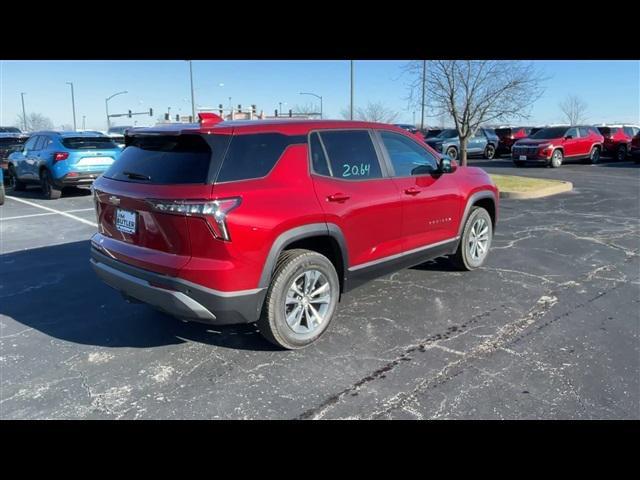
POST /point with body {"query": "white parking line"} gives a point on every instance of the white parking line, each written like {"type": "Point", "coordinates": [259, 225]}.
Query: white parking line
{"type": "Point", "coordinates": [44, 214]}
{"type": "Point", "coordinates": [53, 210]}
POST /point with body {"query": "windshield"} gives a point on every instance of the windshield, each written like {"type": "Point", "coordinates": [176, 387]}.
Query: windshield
{"type": "Point", "coordinates": [448, 133]}
{"type": "Point", "coordinates": [553, 132]}
{"type": "Point", "coordinates": [9, 130]}
{"type": "Point", "coordinates": [80, 143]}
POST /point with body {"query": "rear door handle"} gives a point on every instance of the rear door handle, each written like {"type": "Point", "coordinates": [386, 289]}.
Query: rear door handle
{"type": "Point", "coordinates": [412, 191]}
{"type": "Point", "coordinates": [338, 197]}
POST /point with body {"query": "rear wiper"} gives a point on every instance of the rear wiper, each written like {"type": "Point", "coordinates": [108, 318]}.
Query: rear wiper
{"type": "Point", "coordinates": [136, 176]}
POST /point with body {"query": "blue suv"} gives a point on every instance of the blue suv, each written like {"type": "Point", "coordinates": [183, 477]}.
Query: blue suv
{"type": "Point", "coordinates": [61, 159]}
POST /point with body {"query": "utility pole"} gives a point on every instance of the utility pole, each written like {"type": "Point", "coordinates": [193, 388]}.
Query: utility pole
{"type": "Point", "coordinates": [424, 78]}
{"type": "Point", "coordinates": [106, 104]}
{"type": "Point", "coordinates": [73, 105]}
{"type": "Point", "coordinates": [193, 101]}
{"type": "Point", "coordinates": [84, 117]}
{"type": "Point", "coordinates": [24, 112]}
{"type": "Point", "coordinates": [351, 106]}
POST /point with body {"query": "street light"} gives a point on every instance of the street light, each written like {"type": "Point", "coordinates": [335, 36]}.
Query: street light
{"type": "Point", "coordinates": [73, 105]}
{"type": "Point", "coordinates": [24, 112]}
{"type": "Point", "coordinates": [84, 117]}
{"type": "Point", "coordinates": [317, 96]}
{"type": "Point", "coordinates": [193, 101]}
{"type": "Point", "coordinates": [106, 103]}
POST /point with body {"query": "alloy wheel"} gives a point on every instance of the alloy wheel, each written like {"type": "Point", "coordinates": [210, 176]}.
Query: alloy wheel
{"type": "Point", "coordinates": [478, 241]}
{"type": "Point", "coordinates": [307, 302]}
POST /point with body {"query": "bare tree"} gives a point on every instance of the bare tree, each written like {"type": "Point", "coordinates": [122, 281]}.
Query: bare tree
{"type": "Point", "coordinates": [35, 121]}
{"type": "Point", "coordinates": [574, 109]}
{"type": "Point", "coordinates": [306, 109]}
{"type": "Point", "coordinates": [373, 112]}
{"type": "Point", "coordinates": [474, 92]}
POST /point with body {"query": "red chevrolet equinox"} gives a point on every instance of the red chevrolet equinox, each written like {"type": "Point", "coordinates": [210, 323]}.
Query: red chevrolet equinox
{"type": "Point", "coordinates": [272, 221]}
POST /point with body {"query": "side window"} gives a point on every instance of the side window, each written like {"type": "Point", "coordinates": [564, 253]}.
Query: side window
{"type": "Point", "coordinates": [40, 143]}
{"type": "Point", "coordinates": [31, 143]}
{"type": "Point", "coordinates": [584, 131]}
{"type": "Point", "coordinates": [254, 155]}
{"type": "Point", "coordinates": [46, 141]}
{"type": "Point", "coordinates": [629, 131]}
{"type": "Point", "coordinates": [351, 154]}
{"type": "Point", "coordinates": [318, 159]}
{"type": "Point", "coordinates": [572, 132]}
{"type": "Point", "coordinates": [407, 157]}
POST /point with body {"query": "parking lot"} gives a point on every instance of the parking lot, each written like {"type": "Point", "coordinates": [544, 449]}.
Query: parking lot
{"type": "Point", "coordinates": [548, 329]}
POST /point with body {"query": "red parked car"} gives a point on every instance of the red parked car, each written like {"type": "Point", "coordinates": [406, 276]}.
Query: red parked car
{"type": "Point", "coordinates": [617, 140]}
{"type": "Point", "coordinates": [554, 145]}
{"type": "Point", "coordinates": [272, 221]}
{"type": "Point", "coordinates": [508, 136]}
{"type": "Point", "coordinates": [635, 147]}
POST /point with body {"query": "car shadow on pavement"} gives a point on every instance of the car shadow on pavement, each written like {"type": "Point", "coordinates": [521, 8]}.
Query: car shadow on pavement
{"type": "Point", "coordinates": [54, 290]}
{"type": "Point", "coordinates": [35, 193]}
{"type": "Point", "coordinates": [440, 264]}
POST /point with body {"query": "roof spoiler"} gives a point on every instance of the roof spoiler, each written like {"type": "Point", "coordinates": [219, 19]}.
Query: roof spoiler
{"type": "Point", "coordinates": [208, 119]}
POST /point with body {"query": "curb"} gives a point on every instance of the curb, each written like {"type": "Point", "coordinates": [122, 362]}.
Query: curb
{"type": "Point", "coordinates": [543, 192]}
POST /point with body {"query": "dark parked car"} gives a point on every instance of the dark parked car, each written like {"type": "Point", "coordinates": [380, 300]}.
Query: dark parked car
{"type": "Point", "coordinates": [635, 147]}
{"type": "Point", "coordinates": [554, 145]}
{"type": "Point", "coordinates": [11, 140]}
{"type": "Point", "coordinates": [272, 221]}
{"type": "Point", "coordinates": [483, 143]}
{"type": "Point", "coordinates": [405, 126]}
{"type": "Point", "coordinates": [432, 132]}
{"type": "Point", "coordinates": [617, 139]}
{"type": "Point", "coordinates": [508, 136]}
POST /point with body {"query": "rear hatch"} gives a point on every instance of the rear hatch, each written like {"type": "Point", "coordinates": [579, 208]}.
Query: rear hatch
{"type": "Point", "coordinates": [90, 154]}
{"type": "Point", "coordinates": [152, 169]}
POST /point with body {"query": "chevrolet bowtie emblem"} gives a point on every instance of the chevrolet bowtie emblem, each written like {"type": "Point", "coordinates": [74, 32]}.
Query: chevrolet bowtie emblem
{"type": "Point", "coordinates": [114, 200]}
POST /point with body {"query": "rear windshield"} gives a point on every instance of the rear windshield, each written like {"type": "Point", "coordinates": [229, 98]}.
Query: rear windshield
{"type": "Point", "coordinates": [10, 142]}
{"type": "Point", "coordinates": [83, 143]}
{"type": "Point", "coordinates": [9, 130]}
{"type": "Point", "coordinates": [503, 132]}
{"type": "Point", "coordinates": [448, 133]}
{"type": "Point", "coordinates": [167, 159]}
{"type": "Point", "coordinates": [552, 132]}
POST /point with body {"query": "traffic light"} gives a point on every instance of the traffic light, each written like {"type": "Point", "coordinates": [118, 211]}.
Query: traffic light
{"type": "Point", "coordinates": [151, 112]}
{"type": "Point", "coordinates": [129, 113]}
{"type": "Point", "coordinates": [253, 109]}
{"type": "Point", "coordinates": [177, 117]}
{"type": "Point", "coordinates": [220, 108]}
{"type": "Point", "coordinates": [166, 116]}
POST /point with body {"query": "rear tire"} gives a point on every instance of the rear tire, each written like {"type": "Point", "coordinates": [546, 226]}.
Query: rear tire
{"type": "Point", "coordinates": [1, 194]}
{"type": "Point", "coordinates": [621, 153]}
{"type": "Point", "coordinates": [489, 152]}
{"type": "Point", "coordinates": [293, 316]}
{"type": "Point", "coordinates": [476, 240]}
{"type": "Point", "coordinates": [49, 190]}
{"type": "Point", "coordinates": [594, 156]}
{"type": "Point", "coordinates": [15, 184]}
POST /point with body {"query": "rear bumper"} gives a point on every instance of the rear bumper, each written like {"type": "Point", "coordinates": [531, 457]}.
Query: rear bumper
{"type": "Point", "coordinates": [82, 178]}
{"type": "Point", "coordinates": [180, 298]}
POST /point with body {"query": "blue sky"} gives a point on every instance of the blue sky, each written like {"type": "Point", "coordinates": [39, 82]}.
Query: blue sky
{"type": "Point", "coordinates": [610, 88]}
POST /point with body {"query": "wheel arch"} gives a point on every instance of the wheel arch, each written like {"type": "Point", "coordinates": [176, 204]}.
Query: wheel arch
{"type": "Point", "coordinates": [485, 199]}
{"type": "Point", "coordinates": [324, 238]}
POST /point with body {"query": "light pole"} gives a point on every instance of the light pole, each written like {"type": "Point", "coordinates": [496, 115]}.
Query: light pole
{"type": "Point", "coordinates": [351, 107]}
{"type": "Point", "coordinates": [73, 105]}
{"type": "Point", "coordinates": [317, 96]}
{"type": "Point", "coordinates": [24, 112]}
{"type": "Point", "coordinates": [106, 104]}
{"type": "Point", "coordinates": [84, 117]}
{"type": "Point", "coordinates": [193, 101]}
{"type": "Point", "coordinates": [424, 77]}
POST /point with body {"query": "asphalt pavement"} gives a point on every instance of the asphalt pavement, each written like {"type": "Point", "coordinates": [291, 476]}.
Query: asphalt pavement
{"type": "Point", "coordinates": [549, 328]}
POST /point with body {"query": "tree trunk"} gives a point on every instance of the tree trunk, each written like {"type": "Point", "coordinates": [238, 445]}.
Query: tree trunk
{"type": "Point", "coordinates": [463, 151]}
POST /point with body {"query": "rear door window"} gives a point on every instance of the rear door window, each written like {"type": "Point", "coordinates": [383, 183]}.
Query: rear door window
{"type": "Point", "coordinates": [168, 159]}
{"type": "Point", "coordinates": [584, 132]}
{"type": "Point", "coordinates": [31, 143]}
{"type": "Point", "coordinates": [319, 162]}
{"type": "Point", "coordinates": [254, 155]}
{"type": "Point", "coordinates": [352, 155]}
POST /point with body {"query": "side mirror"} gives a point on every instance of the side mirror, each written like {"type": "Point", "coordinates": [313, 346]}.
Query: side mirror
{"type": "Point", "coordinates": [568, 137]}
{"type": "Point", "coordinates": [446, 165]}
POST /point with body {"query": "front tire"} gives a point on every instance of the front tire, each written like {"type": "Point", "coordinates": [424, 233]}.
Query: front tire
{"type": "Point", "coordinates": [476, 240]}
{"type": "Point", "coordinates": [49, 190]}
{"type": "Point", "coordinates": [15, 184]}
{"type": "Point", "coordinates": [556, 159]}
{"type": "Point", "coordinates": [489, 152]}
{"type": "Point", "coordinates": [301, 299]}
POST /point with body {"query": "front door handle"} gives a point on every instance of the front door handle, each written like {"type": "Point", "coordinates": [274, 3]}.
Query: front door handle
{"type": "Point", "coordinates": [338, 197]}
{"type": "Point", "coordinates": [412, 191]}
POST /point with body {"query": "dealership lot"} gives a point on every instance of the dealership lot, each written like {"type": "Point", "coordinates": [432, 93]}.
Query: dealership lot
{"type": "Point", "coordinates": [548, 329]}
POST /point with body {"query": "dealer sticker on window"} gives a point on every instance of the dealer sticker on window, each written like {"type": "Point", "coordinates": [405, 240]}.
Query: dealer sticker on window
{"type": "Point", "coordinates": [126, 221]}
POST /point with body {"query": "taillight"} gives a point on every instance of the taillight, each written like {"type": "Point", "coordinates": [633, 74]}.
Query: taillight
{"type": "Point", "coordinates": [214, 212]}
{"type": "Point", "coordinates": [58, 156]}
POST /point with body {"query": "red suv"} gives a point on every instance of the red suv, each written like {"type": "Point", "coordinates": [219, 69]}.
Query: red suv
{"type": "Point", "coordinates": [554, 145]}
{"type": "Point", "coordinates": [617, 139]}
{"type": "Point", "coordinates": [271, 221]}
